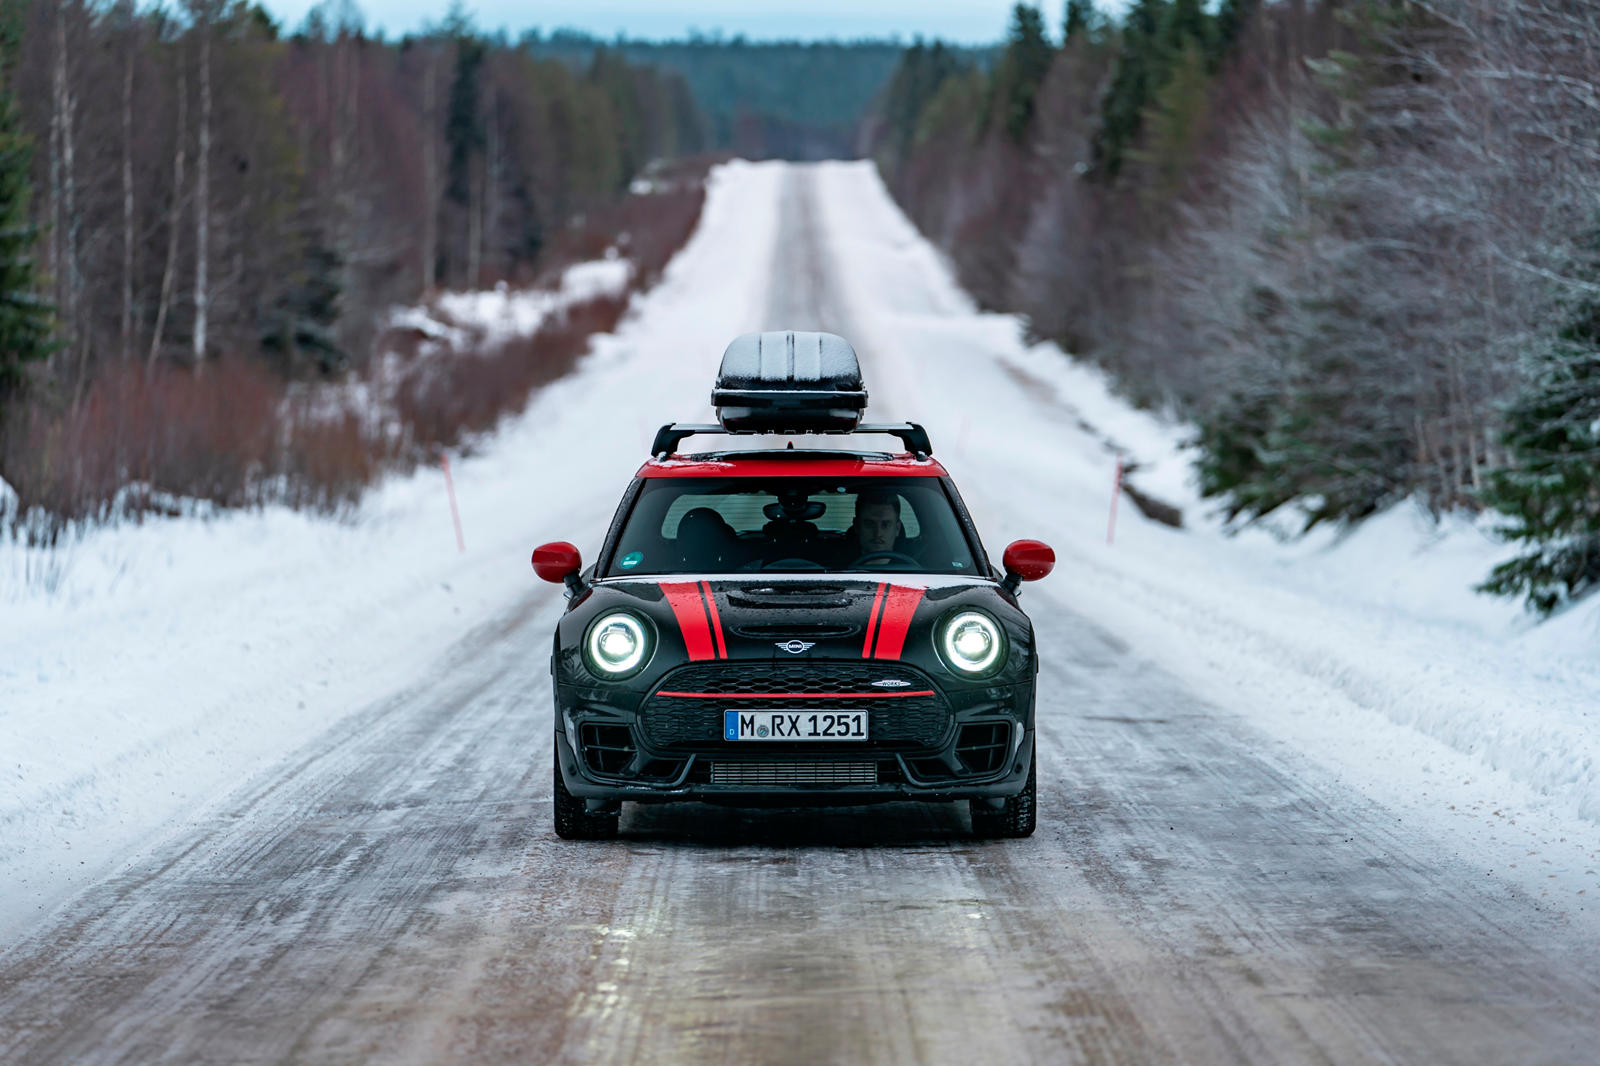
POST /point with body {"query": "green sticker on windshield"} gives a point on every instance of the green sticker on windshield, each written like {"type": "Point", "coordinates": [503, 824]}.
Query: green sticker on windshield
{"type": "Point", "coordinates": [631, 560]}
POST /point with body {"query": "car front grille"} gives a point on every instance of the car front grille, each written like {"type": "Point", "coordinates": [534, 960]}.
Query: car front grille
{"type": "Point", "coordinates": [777, 773]}
{"type": "Point", "coordinates": [687, 707]}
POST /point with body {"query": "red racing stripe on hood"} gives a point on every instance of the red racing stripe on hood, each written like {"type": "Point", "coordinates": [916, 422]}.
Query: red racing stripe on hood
{"type": "Point", "coordinates": [898, 608]}
{"type": "Point", "coordinates": [872, 623]}
{"type": "Point", "coordinates": [689, 607]}
{"type": "Point", "coordinates": [716, 619]}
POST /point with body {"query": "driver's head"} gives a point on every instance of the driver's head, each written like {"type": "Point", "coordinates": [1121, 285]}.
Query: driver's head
{"type": "Point", "coordinates": [877, 520]}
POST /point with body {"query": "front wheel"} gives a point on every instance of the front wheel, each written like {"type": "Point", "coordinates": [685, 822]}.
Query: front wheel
{"type": "Point", "coordinates": [574, 821]}
{"type": "Point", "coordinates": [1017, 818]}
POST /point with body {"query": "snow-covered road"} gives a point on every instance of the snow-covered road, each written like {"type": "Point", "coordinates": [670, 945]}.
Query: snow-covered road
{"type": "Point", "coordinates": [1298, 804]}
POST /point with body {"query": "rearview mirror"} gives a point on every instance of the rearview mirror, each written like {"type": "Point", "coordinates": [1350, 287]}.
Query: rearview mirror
{"type": "Point", "coordinates": [1026, 560]}
{"type": "Point", "coordinates": [557, 561]}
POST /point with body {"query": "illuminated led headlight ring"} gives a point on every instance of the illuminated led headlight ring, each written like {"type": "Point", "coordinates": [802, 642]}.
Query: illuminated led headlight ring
{"type": "Point", "coordinates": [971, 643]}
{"type": "Point", "coordinates": [617, 645]}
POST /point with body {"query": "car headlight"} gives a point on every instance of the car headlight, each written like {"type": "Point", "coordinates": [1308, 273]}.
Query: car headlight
{"type": "Point", "coordinates": [617, 645]}
{"type": "Point", "coordinates": [971, 643]}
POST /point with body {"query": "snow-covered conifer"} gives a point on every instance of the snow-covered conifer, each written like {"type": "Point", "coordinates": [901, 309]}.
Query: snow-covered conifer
{"type": "Point", "coordinates": [1550, 492]}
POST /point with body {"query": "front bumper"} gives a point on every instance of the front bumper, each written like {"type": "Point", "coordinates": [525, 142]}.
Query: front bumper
{"type": "Point", "coordinates": [982, 750]}
{"type": "Point", "coordinates": [582, 785]}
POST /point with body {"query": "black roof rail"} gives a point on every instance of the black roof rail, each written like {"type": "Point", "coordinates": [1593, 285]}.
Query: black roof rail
{"type": "Point", "coordinates": [911, 434]}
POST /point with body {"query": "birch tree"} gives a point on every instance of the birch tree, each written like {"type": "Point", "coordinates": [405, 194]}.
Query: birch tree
{"type": "Point", "coordinates": [127, 25]}
{"type": "Point", "coordinates": [204, 15]}
{"type": "Point", "coordinates": [65, 223]}
{"type": "Point", "coordinates": [176, 199]}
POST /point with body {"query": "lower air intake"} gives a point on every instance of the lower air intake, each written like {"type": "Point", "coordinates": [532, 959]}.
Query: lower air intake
{"type": "Point", "coordinates": [794, 773]}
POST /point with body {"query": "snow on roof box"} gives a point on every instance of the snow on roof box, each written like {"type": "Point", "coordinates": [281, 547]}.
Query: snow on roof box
{"type": "Point", "coordinates": [789, 382]}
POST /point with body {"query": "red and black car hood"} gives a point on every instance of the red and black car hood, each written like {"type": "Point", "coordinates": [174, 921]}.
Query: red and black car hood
{"type": "Point", "coordinates": [793, 618]}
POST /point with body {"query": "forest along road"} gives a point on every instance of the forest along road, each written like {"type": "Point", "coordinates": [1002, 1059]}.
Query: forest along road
{"type": "Point", "coordinates": [1196, 892]}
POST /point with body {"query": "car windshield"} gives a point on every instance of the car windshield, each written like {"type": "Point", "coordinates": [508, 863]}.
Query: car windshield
{"type": "Point", "coordinates": [712, 525]}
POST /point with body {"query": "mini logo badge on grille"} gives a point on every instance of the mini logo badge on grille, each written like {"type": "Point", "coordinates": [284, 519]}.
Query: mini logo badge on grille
{"type": "Point", "coordinates": [795, 647]}
{"type": "Point", "coordinates": [891, 682]}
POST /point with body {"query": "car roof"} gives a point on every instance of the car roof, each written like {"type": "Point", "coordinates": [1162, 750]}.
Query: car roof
{"type": "Point", "coordinates": [791, 463]}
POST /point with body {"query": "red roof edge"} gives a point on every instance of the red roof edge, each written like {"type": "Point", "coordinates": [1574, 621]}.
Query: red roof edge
{"type": "Point", "coordinates": [777, 464]}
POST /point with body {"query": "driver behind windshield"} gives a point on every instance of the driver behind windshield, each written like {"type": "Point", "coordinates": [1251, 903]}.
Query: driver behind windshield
{"type": "Point", "coordinates": [877, 522]}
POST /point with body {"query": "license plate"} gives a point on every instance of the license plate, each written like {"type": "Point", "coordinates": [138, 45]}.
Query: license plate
{"type": "Point", "coordinates": [794, 725]}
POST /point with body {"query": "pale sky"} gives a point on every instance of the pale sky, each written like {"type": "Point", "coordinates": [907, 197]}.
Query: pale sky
{"type": "Point", "coordinates": [968, 21]}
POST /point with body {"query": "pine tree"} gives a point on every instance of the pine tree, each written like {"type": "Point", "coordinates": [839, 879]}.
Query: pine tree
{"type": "Point", "coordinates": [921, 74]}
{"type": "Point", "coordinates": [1140, 71]}
{"type": "Point", "coordinates": [1174, 124]}
{"type": "Point", "coordinates": [609, 71]}
{"type": "Point", "coordinates": [1320, 435]}
{"type": "Point", "coordinates": [1339, 433]}
{"type": "Point", "coordinates": [1080, 18]}
{"type": "Point", "coordinates": [1186, 23]}
{"type": "Point", "coordinates": [25, 320]}
{"type": "Point", "coordinates": [464, 126]}
{"type": "Point", "coordinates": [1237, 461]}
{"type": "Point", "coordinates": [1232, 18]}
{"type": "Point", "coordinates": [1022, 69]}
{"type": "Point", "coordinates": [302, 330]}
{"type": "Point", "coordinates": [1551, 493]}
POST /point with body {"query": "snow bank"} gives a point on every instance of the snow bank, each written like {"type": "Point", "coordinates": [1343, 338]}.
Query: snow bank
{"type": "Point", "coordinates": [146, 670]}
{"type": "Point", "coordinates": [600, 277]}
{"type": "Point", "coordinates": [430, 328]}
{"type": "Point", "coordinates": [463, 321]}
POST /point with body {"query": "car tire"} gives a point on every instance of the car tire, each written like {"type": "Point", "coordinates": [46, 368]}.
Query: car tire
{"type": "Point", "coordinates": [1016, 819]}
{"type": "Point", "coordinates": [574, 821]}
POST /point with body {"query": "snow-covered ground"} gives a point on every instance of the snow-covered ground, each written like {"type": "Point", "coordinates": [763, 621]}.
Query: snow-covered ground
{"type": "Point", "coordinates": [456, 320]}
{"type": "Point", "coordinates": [147, 670]}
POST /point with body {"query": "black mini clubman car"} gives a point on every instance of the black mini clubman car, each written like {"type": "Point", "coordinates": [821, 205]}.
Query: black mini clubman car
{"type": "Point", "coordinates": [791, 627]}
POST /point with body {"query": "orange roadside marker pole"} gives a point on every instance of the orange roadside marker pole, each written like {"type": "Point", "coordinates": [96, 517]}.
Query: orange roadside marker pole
{"type": "Point", "coordinates": [455, 514]}
{"type": "Point", "coordinates": [1116, 490]}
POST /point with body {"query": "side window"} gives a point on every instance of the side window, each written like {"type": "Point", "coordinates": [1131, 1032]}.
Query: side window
{"type": "Point", "coordinates": [908, 518]}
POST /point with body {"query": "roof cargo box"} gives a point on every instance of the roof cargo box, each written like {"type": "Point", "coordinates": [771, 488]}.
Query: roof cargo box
{"type": "Point", "coordinates": [789, 382]}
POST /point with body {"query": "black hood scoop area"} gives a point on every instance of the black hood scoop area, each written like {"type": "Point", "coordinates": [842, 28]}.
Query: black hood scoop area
{"type": "Point", "coordinates": [792, 597]}
{"type": "Point", "coordinates": [793, 630]}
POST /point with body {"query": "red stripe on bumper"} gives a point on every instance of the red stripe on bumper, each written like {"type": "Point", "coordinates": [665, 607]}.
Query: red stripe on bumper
{"type": "Point", "coordinates": [795, 695]}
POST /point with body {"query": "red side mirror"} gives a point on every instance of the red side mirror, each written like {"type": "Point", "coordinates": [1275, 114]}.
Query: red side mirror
{"type": "Point", "coordinates": [557, 561]}
{"type": "Point", "coordinates": [1028, 560]}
